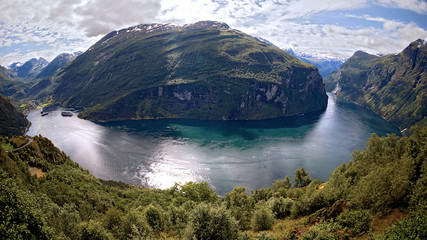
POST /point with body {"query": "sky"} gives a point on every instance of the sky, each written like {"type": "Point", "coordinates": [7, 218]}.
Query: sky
{"type": "Point", "coordinates": [325, 28]}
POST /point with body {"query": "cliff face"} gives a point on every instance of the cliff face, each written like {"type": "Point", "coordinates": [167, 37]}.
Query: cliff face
{"type": "Point", "coordinates": [204, 70]}
{"type": "Point", "coordinates": [393, 86]}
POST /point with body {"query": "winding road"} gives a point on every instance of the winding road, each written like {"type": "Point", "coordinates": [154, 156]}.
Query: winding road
{"type": "Point", "coordinates": [21, 147]}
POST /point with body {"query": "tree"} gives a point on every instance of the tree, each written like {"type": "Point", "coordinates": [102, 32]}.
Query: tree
{"type": "Point", "coordinates": [240, 205]}
{"type": "Point", "coordinates": [209, 223]}
{"type": "Point", "coordinates": [282, 183]}
{"type": "Point", "coordinates": [263, 219]}
{"type": "Point", "coordinates": [301, 178]}
{"type": "Point", "coordinates": [154, 217]}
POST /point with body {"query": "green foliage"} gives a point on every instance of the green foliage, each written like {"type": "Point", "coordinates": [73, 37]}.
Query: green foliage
{"type": "Point", "coordinates": [262, 194]}
{"type": "Point", "coordinates": [197, 192]}
{"type": "Point", "coordinates": [263, 219]}
{"type": "Point", "coordinates": [412, 228]}
{"type": "Point", "coordinates": [93, 230]}
{"type": "Point", "coordinates": [301, 178]}
{"type": "Point", "coordinates": [154, 217]}
{"type": "Point", "coordinates": [323, 231]}
{"type": "Point", "coordinates": [20, 216]}
{"type": "Point", "coordinates": [284, 184]}
{"type": "Point", "coordinates": [11, 120]}
{"type": "Point", "coordinates": [358, 220]}
{"type": "Point", "coordinates": [281, 207]}
{"type": "Point", "coordinates": [264, 236]}
{"type": "Point", "coordinates": [240, 205]}
{"type": "Point", "coordinates": [210, 222]}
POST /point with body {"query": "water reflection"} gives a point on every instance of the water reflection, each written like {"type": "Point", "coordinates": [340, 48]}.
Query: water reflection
{"type": "Point", "coordinates": [157, 153]}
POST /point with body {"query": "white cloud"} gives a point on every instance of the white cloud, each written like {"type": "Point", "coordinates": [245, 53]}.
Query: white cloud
{"type": "Point", "coordinates": [418, 6]}
{"type": "Point", "coordinates": [61, 25]}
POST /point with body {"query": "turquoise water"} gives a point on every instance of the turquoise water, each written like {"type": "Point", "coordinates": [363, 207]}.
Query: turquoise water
{"type": "Point", "coordinates": [158, 153]}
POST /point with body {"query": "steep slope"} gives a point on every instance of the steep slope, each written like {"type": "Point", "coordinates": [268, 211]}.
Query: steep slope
{"type": "Point", "coordinates": [11, 121]}
{"type": "Point", "coordinates": [9, 86]}
{"type": "Point", "coordinates": [56, 64]}
{"type": "Point", "coordinates": [394, 86]}
{"type": "Point", "coordinates": [204, 71]}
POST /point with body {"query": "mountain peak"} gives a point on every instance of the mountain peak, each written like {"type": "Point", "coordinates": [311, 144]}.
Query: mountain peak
{"type": "Point", "coordinates": [207, 24]}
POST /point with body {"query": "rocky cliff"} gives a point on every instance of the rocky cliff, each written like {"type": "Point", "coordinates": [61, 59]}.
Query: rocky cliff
{"type": "Point", "coordinates": [204, 70]}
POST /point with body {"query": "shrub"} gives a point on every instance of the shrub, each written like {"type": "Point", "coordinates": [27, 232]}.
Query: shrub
{"type": "Point", "coordinates": [358, 220]}
{"type": "Point", "coordinates": [93, 230]}
{"type": "Point", "coordinates": [411, 228]}
{"type": "Point", "coordinates": [281, 207]}
{"type": "Point", "coordinates": [207, 222]}
{"type": "Point", "coordinates": [282, 183]}
{"type": "Point", "coordinates": [240, 205]}
{"type": "Point", "coordinates": [264, 236]}
{"type": "Point", "coordinates": [301, 178]}
{"type": "Point", "coordinates": [263, 219]}
{"type": "Point", "coordinates": [322, 231]}
{"type": "Point", "coordinates": [154, 217]}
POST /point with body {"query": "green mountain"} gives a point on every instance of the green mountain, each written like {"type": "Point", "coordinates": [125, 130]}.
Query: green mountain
{"type": "Point", "coordinates": [394, 86]}
{"type": "Point", "coordinates": [204, 70]}
{"type": "Point", "coordinates": [11, 120]}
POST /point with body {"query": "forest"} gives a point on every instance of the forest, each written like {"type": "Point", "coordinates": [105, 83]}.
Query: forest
{"type": "Point", "coordinates": [380, 194]}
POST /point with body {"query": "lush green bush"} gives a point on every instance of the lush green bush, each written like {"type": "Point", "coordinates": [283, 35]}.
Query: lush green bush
{"type": "Point", "coordinates": [20, 216]}
{"type": "Point", "coordinates": [93, 230]}
{"type": "Point", "coordinates": [412, 228]}
{"type": "Point", "coordinates": [155, 217]}
{"type": "Point", "coordinates": [281, 207]}
{"type": "Point", "coordinates": [210, 222]}
{"type": "Point", "coordinates": [263, 219]}
{"type": "Point", "coordinates": [240, 205]}
{"type": "Point", "coordinates": [323, 231]}
{"type": "Point", "coordinates": [358, 221]}
{"type": "Point", "coordinates": [301, 178]}
{"type": "Point", "coordinates": [264, 236]}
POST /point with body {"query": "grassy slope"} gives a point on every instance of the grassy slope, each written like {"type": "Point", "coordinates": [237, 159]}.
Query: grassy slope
{"type": "Point", "coordinates": [394, 86]}
{"type": "Point", "coordinates": [125, 69]}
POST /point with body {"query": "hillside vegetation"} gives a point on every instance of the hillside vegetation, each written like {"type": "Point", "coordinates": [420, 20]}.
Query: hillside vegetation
{"type": "Point", "coordinates": [11, 120]}
{"type": "Point", "coordinates": [204, 70]}
{"type": "Point", "coordinates": [393, 86]}
{"type": "Point", "coordinates": [45, 195]}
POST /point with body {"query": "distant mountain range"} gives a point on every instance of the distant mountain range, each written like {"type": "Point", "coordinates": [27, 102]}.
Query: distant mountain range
{"type": "Point", "coordinates": [325, 65]}
{"type": "Point", "coordinates": [37, 68]}
{"type": "Point", "coordinates": [394, 86]}
{"type": "Point", "coordinates": [204, 70]}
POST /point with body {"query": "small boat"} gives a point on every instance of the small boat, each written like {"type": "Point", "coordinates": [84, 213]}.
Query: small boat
{"type": "Point", "coordinates": [66, 114]}
{"type": "Point", "coordinates": [44, 113]}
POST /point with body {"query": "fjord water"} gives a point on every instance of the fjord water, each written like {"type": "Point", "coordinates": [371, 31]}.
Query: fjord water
{"type": "Point", "coordinates": [158, 153]}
